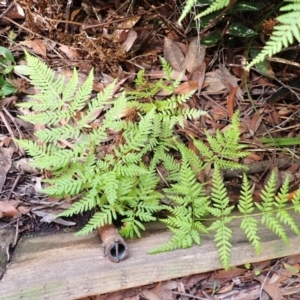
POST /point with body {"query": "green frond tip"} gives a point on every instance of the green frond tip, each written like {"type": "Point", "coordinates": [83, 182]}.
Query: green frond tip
{"type": "Point", "coordinates": [283, 34]}
{"type": "Point", "coordinates": [187, 9]}
{"type": "Point", "coordinates": [216, 5]}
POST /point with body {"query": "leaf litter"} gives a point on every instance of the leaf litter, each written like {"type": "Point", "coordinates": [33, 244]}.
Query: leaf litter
{"type": "Point", "coordinates": [128, 39]}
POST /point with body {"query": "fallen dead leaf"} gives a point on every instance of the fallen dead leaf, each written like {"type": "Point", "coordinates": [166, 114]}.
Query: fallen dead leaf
{"type": "Point", "coordinates": [129, 41]}
{"type": "Point", "coordinates": [157, 74]}
{"type": "Point", "coordinates": [174, 55]}
{"type": "Point", "coordinates": [50, 217]}
{"type": "Point", "coordinates": [37, 46]}
{"type": "Point", "coordinates": [194, 56]}
{"type": "Point", "coordinates": [213, 83]}
{"type": "Point", "coordinates": [69, 51]}
{"type": "Point", "coordinates": [226, 288]}
{"type": "Point", "coordinates": [7, 210]}
{"type": "Point", "coordinates": [231, 101]}
{"type": "Point", "coordinates": [5, 164]}
{"type": "Point", "coordinates": [186, 87]}
{"type": "Point", "coordinates": [229, 81]}
{"type": "Point", "coordinates": [272, 290]}
{"type": "Point", "coordinates": [199, 76]}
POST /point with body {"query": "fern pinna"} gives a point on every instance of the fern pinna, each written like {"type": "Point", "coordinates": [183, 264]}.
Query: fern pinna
{"type": "Point", "coordinates": [122, 179]}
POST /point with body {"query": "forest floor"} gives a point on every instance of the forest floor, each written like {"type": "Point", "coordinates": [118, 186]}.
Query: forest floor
{"type": "Point", "coordinates": [117, 39]}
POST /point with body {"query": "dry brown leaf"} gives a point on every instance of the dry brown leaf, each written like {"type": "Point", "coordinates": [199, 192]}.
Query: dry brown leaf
{"type": "Point", "coordinates": [128, 23]}
{"type": "Point", "coordinates": [150, 295]}
{"type": "Point", "coordinates": [194, 56]}
{"type": "Point", "coordinates": [192, 280]}
{"type": "Point", "coordinates": [229, 81]}
{"type": "Point", "coordinates": [37, 46]}
{"type": "Point", "coordinates": [157, 74]}
{"type": "Point", "coordinates": [294, 259]}
{"type": "Point", "coordinates": [255, 123]}
{"type": "Point", "coordinates": [12, 14]}
{"type": "Point", "coordinates": [213, 83]}
{"type": "Point", "coordinates": [164, 289]}
{"type": "Point", "coordinates": [23, 210]}
{"type": "Point", "coordinates": [222, 274]}
{"type": "Point", "coordinates": [19, 83]}
{"type": "Point", "coordinates": [5, 164]}
{"type": "Point", "coordinates": [174, 55]}
{"type": "Point", "coordinates": [262, 265]}
{"type": "Point", "coordinates": [186, 87]}
{"type": "Point", "coordinates": [231, 101]}
{"type": "Point", "coordinates": [129, 41]}
{"type": "Point", "coordinates": [226, 288]}
{"type": "Point", "coordinates": [199, 76]}
{"type": "Point", "coordinates": [218, 113]}
{"type": "Point", "coordinates": [7, 210]}
{"type": "Point", "coordinates": [272, 290]}
{"type": "Point", "coordinates": [69, 51]}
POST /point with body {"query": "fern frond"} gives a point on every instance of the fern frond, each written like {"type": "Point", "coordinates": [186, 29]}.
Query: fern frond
{"type": "Point", "coordinates": [99, 219]}
{"type": "Point", "coordinates": [110, 187]}
{"type": "Point", "coordinates": [187, 9]}
{"type": "Point", "coordinates": [166, 68]}
{"type": "Point", "coordinates": [82, 94]}
{"type": "Point", "coordinates": [222, 239]}
{"type": "Point", "coordinates": [268, 195]}
{"type": "Point", "coordinates": [48, 117]}
{"type": "Point", "coordinates": [42, 102]}
{"type": "Point", "coordinates": [249, 224]}
{"type": "Point", "coordinates": [216, 5]}
{"type": "Point", "coordinates": [42, 77]}
{"type": "Point", "coordinates": [194, 161]}
{"type": "Point", "coordinates": [132, 227]}
{"type": "Point", "coordinates": [55, 134]}
{"type": "Point", "coordinates": [88, 202]}
{"type": "Point", "coordinates": [283, 34]}
{"type": "Point", "coordinates": [224, 147]}
{"type": "Point", "coordinates": [282, 214]}
{"type": "Point", "coordinates": [250, 227]}
{"type": "Point", "coordinates": [296, 201]}
{"type": "Point", "coordinates": [69, 89]}
{"type": "Point", "coordinates": [103, 98]}
{"type": "Point", "coordinates": [219, 196]}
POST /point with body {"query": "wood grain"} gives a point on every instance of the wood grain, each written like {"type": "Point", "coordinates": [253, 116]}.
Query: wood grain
{"type": "Point", "coordinates": [64, 267]}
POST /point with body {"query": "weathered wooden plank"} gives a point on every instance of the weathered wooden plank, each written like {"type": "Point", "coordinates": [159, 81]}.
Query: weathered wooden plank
{"type": "Point", "coordinates": [64, 267]}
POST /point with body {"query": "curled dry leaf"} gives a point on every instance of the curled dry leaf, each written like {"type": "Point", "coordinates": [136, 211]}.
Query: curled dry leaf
{"type": "Point", "coordinates": [128, 23]}
{"type": "Point", "coordinates": [173, 55]}
{"type": "Point", "coordinates": [131, 36]}
{"type": "Point", "coordinates": [194, 56]}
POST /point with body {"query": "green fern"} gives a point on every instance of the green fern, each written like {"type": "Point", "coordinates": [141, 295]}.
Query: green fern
{"type": "Point", "coordinates": [249, 224]}
{"type": "Point", "coordinates": [190, 197]}
{"type": "Point", "coordinates": [122, 180]}
{"type": "Point", "coordinates": [119, 184]}
{"type": "Point", "coordinates": [224, 148]}
{"type": "Point", "coordinates": [283, 34]}
{"type": "Point", "coordinates": [216, 5]}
